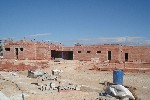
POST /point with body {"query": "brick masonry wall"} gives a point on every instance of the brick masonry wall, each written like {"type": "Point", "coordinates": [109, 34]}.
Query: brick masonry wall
{"type": "Point", "coordinates": [97, 51]}
{"type": "Point", "coordinates": [26, 53]}
{"type": "Point", "coordinates": [136, 53]}
{"type": "Point", "coordinates": [31, 50]}
{"type": "Point", "coordinates": [138, 56]}
{"type": "Point", "coordinates": [41, 51]}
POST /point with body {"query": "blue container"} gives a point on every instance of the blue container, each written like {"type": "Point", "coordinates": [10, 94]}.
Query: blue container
{"type": "Point", "coordinates": [118, 77]}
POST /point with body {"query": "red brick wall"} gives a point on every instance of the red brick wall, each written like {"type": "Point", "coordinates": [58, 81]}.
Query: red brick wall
{"type": "Point", "coordinates": [31, 50]}
{"type": "Point", "coordinates": [136, 53]}
{"type": "Point", "coordinates": [9, 54]}
{"type": "Point", "coordinates": [103, 55]}
{"type": "Point", "coordinates": [40, 51]}
{"type": "Point", "coordinates": [27, 53]}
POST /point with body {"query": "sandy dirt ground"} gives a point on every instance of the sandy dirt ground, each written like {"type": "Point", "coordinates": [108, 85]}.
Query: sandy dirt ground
{"type": "Point", "coordinates": [16, 85]}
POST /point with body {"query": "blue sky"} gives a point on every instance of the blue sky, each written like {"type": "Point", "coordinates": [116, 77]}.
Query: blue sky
{"type": "Point", "coordinates": [71, 21]}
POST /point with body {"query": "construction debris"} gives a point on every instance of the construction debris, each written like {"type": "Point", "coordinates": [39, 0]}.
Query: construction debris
{"type": "Point", "coordinates": [49, 82]}
{"type": "Point", "coordinates": [3, 97]}
{"type": "Point", "coordinates": [119, 91]}
{"type": "Point", "coordinates": [75, 83]}
{"type": "Point", "coordinates": [36, 73]}
{"type": "Point", "coordinates": [56, 72]}
{"type": "Point", "coordinates": [59, 86]}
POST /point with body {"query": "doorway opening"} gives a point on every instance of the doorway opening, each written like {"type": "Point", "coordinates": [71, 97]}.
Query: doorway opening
{"type": "Point", "coordinates": [109, 55]}
{"type": "Point", "coordinates": [126, 56]}
{"type": "Point", "coordinates": [16, 52]}
{"type": "Point", "coordinates": [68, 55]}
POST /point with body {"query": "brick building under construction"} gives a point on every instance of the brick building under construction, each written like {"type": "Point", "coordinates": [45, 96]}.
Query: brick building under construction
{"type": "Point", "coordinates": [43, 51]}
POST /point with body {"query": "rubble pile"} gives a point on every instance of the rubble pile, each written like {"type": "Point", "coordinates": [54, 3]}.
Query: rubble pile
{"type": "Point", "coordinates": [16, 65]}
{"type": "Point", "coordinates": [52, 82]}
